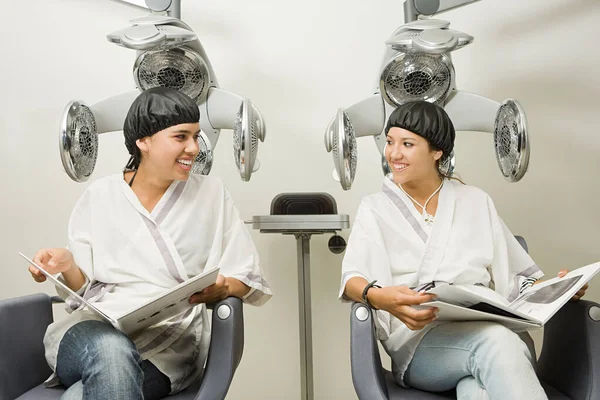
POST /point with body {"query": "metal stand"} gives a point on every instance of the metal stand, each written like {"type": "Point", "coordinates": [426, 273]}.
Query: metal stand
{"type": "Point", "coordinates": [303, 227]}
{"type": "Point", "coordinates": [305, 313]}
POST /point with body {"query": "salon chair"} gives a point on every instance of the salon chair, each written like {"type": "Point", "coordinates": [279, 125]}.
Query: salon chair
{"type": "Point", "coordinates": [23, 367]}
{"type": "Point", "coordinates": [568, 366]}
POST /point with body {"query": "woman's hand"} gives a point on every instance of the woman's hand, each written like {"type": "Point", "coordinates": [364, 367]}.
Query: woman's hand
{"type": "Point", "coordinates": [581, 291]}
{"type": "Point", "coordinates": [212, 294]}
{"type": "Point", "coordinates": [397, 300]}
{"type": "Point", "coordinates": [53, 261]}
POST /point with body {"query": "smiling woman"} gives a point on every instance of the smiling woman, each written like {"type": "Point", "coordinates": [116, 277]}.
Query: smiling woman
{"type": "Point", "coordinates": [423, 228]}
{"type": "Point", "coordinates": [175, 116]}
{"type": "Point", "coordinates": [131, 236]}
{"type": "Point", "coordinates": [159, 158]}
{"type": "Point", "coordinates": [167, 156]}
{"type": "Point", "coordinates": [414, 159]}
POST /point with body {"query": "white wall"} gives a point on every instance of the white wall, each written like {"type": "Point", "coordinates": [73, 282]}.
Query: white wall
{"type": "Point", "coordinates": [299, 62]}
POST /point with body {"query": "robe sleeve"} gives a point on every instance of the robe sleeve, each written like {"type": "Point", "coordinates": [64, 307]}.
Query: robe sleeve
{"type": "Point", "coordinates": [80, 245]}
{"type": "Point", "coordinates": [366, 257]}
{"type": "Point", "coordinates": [239, 257]}
{"type": "Point", "coordinates": [512, 269]}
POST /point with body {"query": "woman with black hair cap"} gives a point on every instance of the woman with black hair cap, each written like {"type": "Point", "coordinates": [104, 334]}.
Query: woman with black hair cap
{"type": "Point", "coordinates": [133, 236]}
{"type": "Point", "coordinates": [423, 229]}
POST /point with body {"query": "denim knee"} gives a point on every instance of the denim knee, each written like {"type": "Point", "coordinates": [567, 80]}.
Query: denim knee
{"type": "Point", "coordinates": [98, 343]}
{"type": "Point", "coordinates": [112, 345]}
{"type": "Point", "coordinates": [100, 359]}
{"type": "Point", "coordinates": [500, 344]}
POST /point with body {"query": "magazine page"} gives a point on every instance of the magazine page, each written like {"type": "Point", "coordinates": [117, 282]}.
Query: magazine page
{"type": "Point", "coordinates": [467, 295]}
{"type": "Point", "coordinates": [477, 297]}
{"type": "Point", "coordinates": [61, 286]}
{"type": "Point", "coordinates": [173, 302]}
{"type": "Point", "coordinates": [167, 305]}
{"type": "Point", "coordinates": [451, 312]}
{"type": "Point", "coordinates": [543, 300]}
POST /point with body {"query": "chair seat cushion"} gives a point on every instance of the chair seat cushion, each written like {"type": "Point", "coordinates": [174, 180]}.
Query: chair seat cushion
{"type": "Point", "coordinates": [43, 393]}
{"type": "Point", "coordinates": [397, 392]}
{"type": "Point", "coordinates": [188, 394]}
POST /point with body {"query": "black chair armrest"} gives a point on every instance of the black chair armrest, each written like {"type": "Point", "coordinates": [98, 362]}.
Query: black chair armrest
{"type": "Point", "coordinates": [23, 323]}
{"type": "Point", "coordinates": [367, 371]}
{"type": "Point", "coordinates": [522, 242]}
{"type": "Point", "coordinates": [570, 358]}
{"type": "Point", "coordinates": [226, 348]}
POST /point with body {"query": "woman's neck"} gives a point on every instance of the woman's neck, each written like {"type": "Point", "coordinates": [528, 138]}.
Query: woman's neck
{"type": "Point", "coordinates": [422, 189]}
{"type": "Point", "coordinates": [147, 185]}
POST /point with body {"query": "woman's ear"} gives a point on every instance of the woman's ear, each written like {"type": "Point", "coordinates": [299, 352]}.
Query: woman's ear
{"type": "Point", "coordinates": [437, 155]}
{"type": "Point", "coordinates": [142, 144]}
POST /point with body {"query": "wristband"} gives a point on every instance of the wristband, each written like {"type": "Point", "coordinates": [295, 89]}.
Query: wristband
{"type": "Point", "coordinates": [364, 293]}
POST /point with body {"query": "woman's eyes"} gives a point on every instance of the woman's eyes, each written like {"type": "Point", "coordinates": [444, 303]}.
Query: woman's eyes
{"type": "Point", "coordinates": [184, 137]}
{"type": "Point", "coordinates": [407, 144]}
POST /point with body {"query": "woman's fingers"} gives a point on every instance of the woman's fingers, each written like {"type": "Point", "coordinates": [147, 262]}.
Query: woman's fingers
{"type": "Point", "coordinates": [416, 325]}
{"type": "Point", "coordinates": [421, 315]}
{"type": "Point", "coordinates": [196, 298]}
{"type": "Point", "coordinates": [199, 298]}
{"type": "Point", "coordinates": [416, 317]}
{"type": "Point", "coordinates": [34, 271]}
{"type": "Point", "coordinates": [40, 256]}
{"type": "Point", "coordinates": [580, 293]}
{"type": "Point", "coordinates": [53, 260]}
{"type": "Point", "coordinates": [415, 299]}
{"type": "Point", "coordinates": [404, 290]}
{"type": "Point", "coordinates": [562, 272]}
{"type": "Point", "coordinates": [202, 297]}
{"type": "Point", "coordinates": [207, 290]}
{"type": "Point", "coordinates": [36, 274]}
{"type": "Point", "coordinates": [217, 286]}
{"type": "Point", "coordinates": [38, 278]}
{"type": "Point", "coordinates": [213, 293]}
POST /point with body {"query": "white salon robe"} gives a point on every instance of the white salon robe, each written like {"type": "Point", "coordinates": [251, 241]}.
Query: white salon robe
{"type": "Point", "coordinates": [130, 256]}
{"type": "Point", "coordinates": [467, 244]}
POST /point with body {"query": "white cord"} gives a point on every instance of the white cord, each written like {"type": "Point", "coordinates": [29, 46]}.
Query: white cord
{"type": "Point", "coordinates": [426, 216]}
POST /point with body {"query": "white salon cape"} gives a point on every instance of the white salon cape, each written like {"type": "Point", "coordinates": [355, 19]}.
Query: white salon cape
{"type": "Point", "coordinates": [130, 256]}
{"type": "Point", "coordinates": [468, 243]}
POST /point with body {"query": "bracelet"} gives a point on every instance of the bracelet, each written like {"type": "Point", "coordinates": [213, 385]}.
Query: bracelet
{"type": "Point", "coordinates": [364, 293]}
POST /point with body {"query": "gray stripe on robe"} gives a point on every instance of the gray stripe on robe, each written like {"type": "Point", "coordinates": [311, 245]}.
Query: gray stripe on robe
{"type": "Point", "coordinates": [400, 205]}
{"type": "Point", "coordinates": [93, 293]}
{"type": "Point", "coordinates": [258, 279]}
{"type": "Point", "coordinates": [155, 232]}
{"type": "Point", "coordinates": [169, 261]}
{"type": "Point", "coordinates": [254, 296]}
{"type": "Point", "coordinates": [165, 334]}
{"type": "Point", "coordinates": [163, 248]}
{"type": "Point", "coordinates": [170, 203]}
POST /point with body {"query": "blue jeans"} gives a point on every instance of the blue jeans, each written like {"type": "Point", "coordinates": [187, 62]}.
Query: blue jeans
{"type": "Point", "coordinates": [483, 360]}
{"type": "Point", "coordinates": [96, 361]}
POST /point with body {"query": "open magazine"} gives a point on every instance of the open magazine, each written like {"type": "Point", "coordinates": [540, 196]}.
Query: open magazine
{"type": "Point", "coordinates": [530, 310]}
{"type": "Point", "coordinates": [173, 302]}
